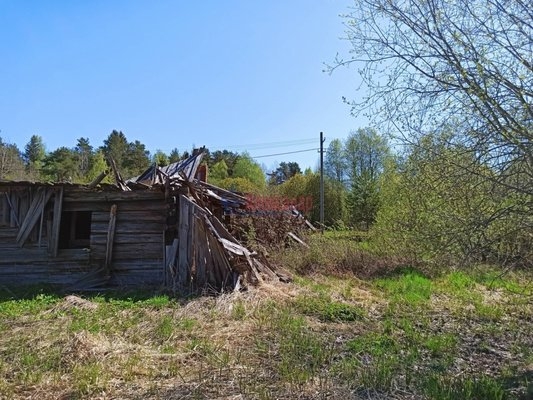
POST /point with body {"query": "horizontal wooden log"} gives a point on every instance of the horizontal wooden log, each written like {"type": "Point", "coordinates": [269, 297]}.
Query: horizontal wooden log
{"type": "Point", "coordinates": [103, 206]}
{"type": "Point", "coordinates": [112, 197]}
{"type": "Point", "coordinates": [126, 215]}
{"type": "Point", "coordinates": [130, 226]}
{"type": "Point", "coordinates": [35, 255]}
{"type": "Point", "coordinates": [127, 238]}
{"type": "Point", "coordinates": [130, 252]}
{"type": "Point", "coordinates": [6, 232]}
{"type": "Point", "coordinates": [137, 280]}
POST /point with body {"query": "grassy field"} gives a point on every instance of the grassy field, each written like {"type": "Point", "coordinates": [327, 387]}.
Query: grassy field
{"type": "Point", "coordinates": [402, 335]}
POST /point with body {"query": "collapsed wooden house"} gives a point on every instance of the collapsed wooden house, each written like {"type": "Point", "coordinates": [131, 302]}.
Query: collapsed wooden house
{"type": "Point", "coordinates": [162, 229]}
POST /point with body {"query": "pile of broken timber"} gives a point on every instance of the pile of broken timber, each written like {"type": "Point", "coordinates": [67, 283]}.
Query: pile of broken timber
{"type": "Point", "coordinates": [206, 257]}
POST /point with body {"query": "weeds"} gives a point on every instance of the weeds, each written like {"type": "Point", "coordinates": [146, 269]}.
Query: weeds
{"type": "Point", "coordinates": [459, 335]}
{"type": "Point", "coordinates": [327, 310]}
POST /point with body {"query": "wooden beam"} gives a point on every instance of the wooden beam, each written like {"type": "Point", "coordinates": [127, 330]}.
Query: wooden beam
{"type": "Point", "coordinates": [110, 238]}
{"type": "Point", "coordinates": [183, 238]}
{"type": "Point", "coordinates": [13, 215]}
{"type": "Point", "coordinates": [43, 204]}
{"type": "Point", "coordinates": [56, 223]}
{"type": "Point", "coordinates": [170, 263]}
{"type": "Point", "coordinates": [97, 180]}
{"type": "Point", "coordinates": [34, 213]}
{"type": "Point", "coordinates": [5, 211]}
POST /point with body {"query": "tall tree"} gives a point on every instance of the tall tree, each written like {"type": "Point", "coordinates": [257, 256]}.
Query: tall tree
{"type": "Point", "coordinates": [431, 64]}
{"type": "Point", "coordinates": [97, 166]}
{"type": "Point", "coordinates": [61, 165]}
{"type": "Point", "coordinates": [137, 159]}
{"type": "Point", "coordinates": [116, 146]}
{"type": "Point", "coordinates": [229, 157]}
{"type": "Point", "coordinates": [11, 162]}
{"type": "Point", "coordinates": [284, 172]}
{"type": "Point", "coordinates": [365, 154]}
{"type": "Point", "coordinates": [34, 153]}
{"type": "Point", "coordinates": [218, 173]}
{"type": "Point", "coordinates": [174, 156]}
{"type": "Point", "coordinates": [160, 158]}
{"type": "Point", "coordinates": [246, 167]}
{"type": "Point", "coordinates": [335, 162]}
{"type": "Point", "coordinates": [84, 152]}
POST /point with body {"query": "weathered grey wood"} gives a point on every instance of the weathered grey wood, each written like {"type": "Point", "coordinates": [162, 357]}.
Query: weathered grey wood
{"type": "Point", "coordinates": [13, 214]}
{"type": "Point", "coordinates": [24, 203]}
{"type": "Point", "coordinates": [130, 216]}
{"type": "Point", "coordinates": [33, 215]}
{"type": "Point", "coordinates": [83, 196]}
{"type": "Point", "coordinates": [30, 212]}
{"type": "Point", "coordinates": [43, 205]}
{"type": "Point", "coordinates": [4, 221]}
{"type": "Point", "coordinates": [127, 238]}
{"type": "Point", "coordinates": [8, 233]}
{"type": "Point", "coordinates": [103, 205]}
{"type": "Point", "coordinates": [35, 255]}
{"type": "Point", "coordinates": [297, 239]}
{"type": "Point", "coordinates": [201, 262]}
{"type": "Point", "coordinates": [138, 226]}
{"type": "Point", "coordinates": [97, 180]}
{"type": "Point", "coordinates": [140, 251]}
{"type": "Point", "coordinates": [110, 237]}
{"type": "Point", "coordinates": [170, 263]}
{"type": "Point", "coordinates": [183, 237]}
{"type": "Point", "coordinates": [56, 223]}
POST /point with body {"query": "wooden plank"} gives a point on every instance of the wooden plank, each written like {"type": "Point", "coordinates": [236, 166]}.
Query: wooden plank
{"type": "Point", "coordinates": [24, 204]}
{"type": "Point", "coordinates": [4, 221]}
{"type": "Point", "coordinates": [124, 265]}
{"type": "Point", "coordinates": [140, 226]}
{"type": "Point", "coordinates": [200, 238]}
{"type": "Point", "coordinates": [98, 179]}
{"type": "Point", "coordinates": [35, 255]}
{"type": "Point", "coordinates": [183, 237]}
{"type": "Point", "coordinates": [127, 238]}
{"type": "Point", "coordinates": [192, 246]}
{"type": "Point", "coordinates": [129, 216]}
{"type": "Point", "coordinates": [110, 237]}
{"type": "Point", "coordinates": [56, 223]}
{"type": "Point", "coordinates": [297, 239]}
{"type": "Point", "coordinates": [81, 196]}
{"type": "Point", "coordinates": [29, 215]}
{"type": "Point", "coordinates": [171, 263]}
{"type": "Point", "coordinates": [13, 209]}
{"type": "Point", "coordinates": [43, 204]}
{"type": "Point", "coordinates": [103, 205]}
{"type": "Point", "coordinates": [7, 232]}
{"type": "Point", "coordinates": [34, 214]}
{"type": "Point", "coordinates": [139, 251]}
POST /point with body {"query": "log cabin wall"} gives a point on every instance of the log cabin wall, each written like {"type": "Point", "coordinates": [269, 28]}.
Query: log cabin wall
{"type": "Point", "coordinates": [25, 226]}
{"type": "Point", "coordinates": [37, 247]}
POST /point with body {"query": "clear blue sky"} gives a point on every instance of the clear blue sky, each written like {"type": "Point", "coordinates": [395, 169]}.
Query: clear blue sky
{"type": "Point", "coordinates": [239, 75]}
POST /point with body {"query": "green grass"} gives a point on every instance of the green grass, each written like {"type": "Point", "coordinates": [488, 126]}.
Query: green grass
{"type": "Point", "coordinates": [328, 310]}
{"type": "Point", "coordinates": [457, 335]}
{"type": "Point", "coordinates": [410, 288]}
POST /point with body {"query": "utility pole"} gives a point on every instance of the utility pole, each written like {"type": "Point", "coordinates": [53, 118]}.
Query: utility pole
{"type": "Point", "coordinates": [322, 182]}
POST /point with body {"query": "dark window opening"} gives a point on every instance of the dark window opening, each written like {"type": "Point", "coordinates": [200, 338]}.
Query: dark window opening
{"type": "Point", "coordinates": [75, 230]}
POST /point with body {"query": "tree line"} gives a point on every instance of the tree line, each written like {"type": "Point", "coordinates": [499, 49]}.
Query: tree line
{"type": "Point", "coordinates": [352, 170]}
{"type": "Point", "coordinates": [451, 83]}
{"type": "Point", "coordinates": [84, 162]}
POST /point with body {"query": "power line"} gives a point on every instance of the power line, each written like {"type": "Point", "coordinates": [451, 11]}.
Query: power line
{"type": "Point", "coordinates": [288, 152]}
{"type": "Point", "coordinates": [260, 146]}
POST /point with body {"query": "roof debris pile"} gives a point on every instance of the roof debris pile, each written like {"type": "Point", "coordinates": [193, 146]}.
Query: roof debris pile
{"type": "Point", "coordinates": [201, 255]}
